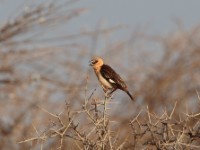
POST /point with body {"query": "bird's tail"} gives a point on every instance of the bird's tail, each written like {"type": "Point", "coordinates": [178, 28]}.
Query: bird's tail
{"type": "Point", "coordinates": [130, 95]}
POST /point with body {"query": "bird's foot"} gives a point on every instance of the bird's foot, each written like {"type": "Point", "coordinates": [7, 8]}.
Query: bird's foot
{"type": "Point", "coordinates": [108, 95]}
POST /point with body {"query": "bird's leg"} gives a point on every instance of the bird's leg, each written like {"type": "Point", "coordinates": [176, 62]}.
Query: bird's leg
{"type": "Point", "coordinates": [113, 90]}
{"type": "Point", "coordinates": [104, 89]}
{"type": "Point", "coordinates": [106, 92]}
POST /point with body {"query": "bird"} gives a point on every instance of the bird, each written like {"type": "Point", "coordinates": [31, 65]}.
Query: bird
{"type": "Point", "coordinates": [108, 78]}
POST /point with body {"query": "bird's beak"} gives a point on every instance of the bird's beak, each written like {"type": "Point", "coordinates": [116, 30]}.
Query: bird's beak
{"type": "Point", "coordinates": [90, 63]}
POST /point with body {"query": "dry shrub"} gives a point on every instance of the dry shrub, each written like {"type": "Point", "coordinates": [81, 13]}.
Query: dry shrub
{"type": "Point", "coordinates": [97, 130]}
{"type": "Point", "coordinates": [50, 100]}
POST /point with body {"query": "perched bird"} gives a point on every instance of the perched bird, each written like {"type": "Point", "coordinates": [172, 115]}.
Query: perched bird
{"type": "Point", "coordinates": [109, 79]}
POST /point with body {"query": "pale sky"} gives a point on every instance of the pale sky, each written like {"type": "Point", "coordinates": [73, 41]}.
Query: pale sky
{"type": "Point", "coordinates": [157, 14]}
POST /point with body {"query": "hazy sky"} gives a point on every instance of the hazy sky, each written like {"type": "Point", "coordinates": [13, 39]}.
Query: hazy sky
{"type": "Point", "coordinates": [157, 14]}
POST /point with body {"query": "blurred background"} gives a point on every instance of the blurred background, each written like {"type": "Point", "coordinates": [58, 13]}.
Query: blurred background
{"type": "Point", "coordinates": [45, 47]}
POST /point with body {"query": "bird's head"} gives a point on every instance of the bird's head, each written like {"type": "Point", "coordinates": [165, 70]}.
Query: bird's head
{"type": "Point", "coordinates": [96, 62]}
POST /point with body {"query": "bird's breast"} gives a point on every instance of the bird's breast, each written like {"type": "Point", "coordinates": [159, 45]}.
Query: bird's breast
{"type": "Point", "coordinates": [103, 81]}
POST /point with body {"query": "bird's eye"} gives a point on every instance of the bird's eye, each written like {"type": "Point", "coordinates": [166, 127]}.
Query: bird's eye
{"type": "Point", "coordinates": [94, 61]}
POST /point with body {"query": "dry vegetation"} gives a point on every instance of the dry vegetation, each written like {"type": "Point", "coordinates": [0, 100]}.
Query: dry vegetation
{"type": "Point", "coordinates": [50, 99]}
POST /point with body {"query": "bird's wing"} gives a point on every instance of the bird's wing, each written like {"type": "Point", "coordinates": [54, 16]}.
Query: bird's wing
{"type": "Point", "coordinates": [111, 76]}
